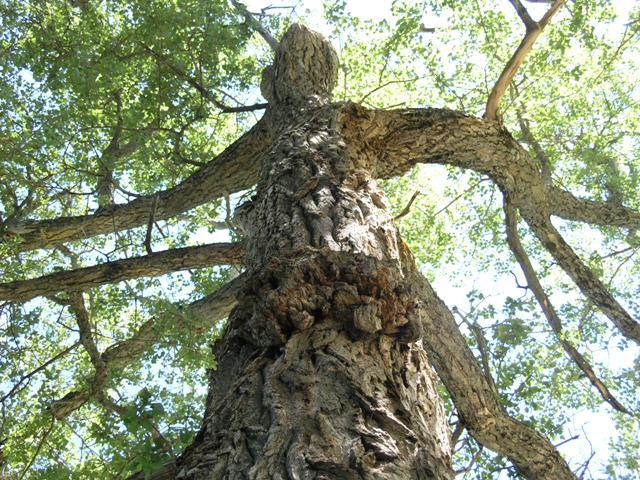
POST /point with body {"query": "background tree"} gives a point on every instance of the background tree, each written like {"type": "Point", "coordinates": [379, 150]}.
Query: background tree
{"type": "Point", "coordinates": [131, 129]}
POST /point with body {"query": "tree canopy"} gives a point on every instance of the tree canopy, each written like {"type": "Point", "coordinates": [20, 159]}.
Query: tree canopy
{"type": "Point", "coordinates": [130, 131]}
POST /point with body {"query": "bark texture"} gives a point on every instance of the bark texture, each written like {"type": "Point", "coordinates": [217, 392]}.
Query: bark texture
{"type": "Point", "coordinates": [154, 264]}
{"type": "Point", "coordinates": [319, 375]}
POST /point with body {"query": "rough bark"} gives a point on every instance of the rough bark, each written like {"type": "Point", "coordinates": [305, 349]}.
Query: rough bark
{"type": "Point", "coordinates": [321, 371]}
{"type": "Point", "coordinates": [154, 264]}
{"type": "Point", "coordinates": [317, 374]}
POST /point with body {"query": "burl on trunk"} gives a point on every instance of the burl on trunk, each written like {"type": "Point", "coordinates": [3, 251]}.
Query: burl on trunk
{"type": "Point", "coordinates": [321, 371]}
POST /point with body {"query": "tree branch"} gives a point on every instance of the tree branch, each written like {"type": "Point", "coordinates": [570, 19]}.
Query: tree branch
{"type": "Point", "coordinates": [210, 310]}
{"type": "Point", "coordinates": [402, 138]}
{"type": "Point", "coordinates": [565, 205]}
{"type": "Point", "coordinates": [25, 378]}
{"type": "Point", "coordinates": [590, 285]}
{"type": "Point", "coordinates": [201, 88]}
{"type": "Point", "coordinates": [235, 169]}
{"type": "Point", "coordinates": [513, 239]}
{"type": "Point", "coordinates": [256, 25]}
{"type": "Point", "coordinates": [522, 12]}
{"type": "Point", "coordinates": [533, 31]}
{"type": "Point", "coordinates": [475, 399]}
{"type": "Point", "coordinates": [154, 264]}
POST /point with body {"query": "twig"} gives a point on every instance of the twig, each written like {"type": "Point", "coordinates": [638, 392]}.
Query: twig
{"type": "Point", "coordinates": [28, 376]}
{"type": "Point", "coordinates": [407, 208]}
{"type": "Point", "coordinates": [533, 31]}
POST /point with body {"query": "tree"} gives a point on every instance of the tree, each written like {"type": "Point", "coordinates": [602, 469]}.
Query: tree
{"type": "Point", "coordinates": [323, 368]}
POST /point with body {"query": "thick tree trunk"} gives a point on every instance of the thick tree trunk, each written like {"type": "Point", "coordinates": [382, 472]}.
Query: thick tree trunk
{"type": "Point", "coordinates": [319, 372]}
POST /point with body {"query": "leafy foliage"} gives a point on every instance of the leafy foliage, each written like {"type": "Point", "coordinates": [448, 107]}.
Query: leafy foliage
{"type": "Point", "coordinates": [99, 106]}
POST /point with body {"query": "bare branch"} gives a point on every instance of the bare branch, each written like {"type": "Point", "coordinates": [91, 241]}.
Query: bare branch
{"type": "Point", "coordinates": [202, 89]}
{"type": "Point", "coordinates": [534, 29]}
{"type": "Point", "coordinates": [152, 219]}
{"type": "Point", "coordinates": [256, 25]}
{"type": "Point", "coordinates": [588, 283]}
{"type": "Point", "coordinates": [43, 439]}
{"type": "Point", "coordinates": [553, 319]}
{"type": "Point", "coordinates": [153, 264]}
{"type": "Point", "coordinates": [407, 207]}
{"type": "Point", "coordinates": [541, 155]}
{"type": "Point", "coordinates": [235, 169]}
{"type": "Point", "coordinates": [27, 377]}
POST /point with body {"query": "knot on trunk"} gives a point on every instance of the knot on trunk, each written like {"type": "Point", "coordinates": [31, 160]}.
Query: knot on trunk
{"type": "Point", "coordinates": [304, 72]}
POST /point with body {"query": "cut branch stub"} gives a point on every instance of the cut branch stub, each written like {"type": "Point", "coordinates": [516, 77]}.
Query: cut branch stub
{"type": "Point", "coordinates": [304, 72]}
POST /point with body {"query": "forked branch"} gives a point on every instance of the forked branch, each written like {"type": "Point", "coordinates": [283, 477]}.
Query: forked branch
{"type": "Point", "coordinates": [554, 321]}
{"type": "Point", "coordinates": [533, 31]}
{"type": "Point", "coordinates": [208, 310]}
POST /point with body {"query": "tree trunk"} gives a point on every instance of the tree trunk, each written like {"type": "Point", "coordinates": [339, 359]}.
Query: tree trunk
{"type": "Point", "coordinates": [321, 373]}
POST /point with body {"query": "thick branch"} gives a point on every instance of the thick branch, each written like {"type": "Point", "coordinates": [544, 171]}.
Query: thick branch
{"type": "Point", "coordinates": [553, 319]}
{"type": "Point", "coordinates": [534, 29]}
{"type": "Point", "coordinates": [209, 310]}
{"type": "Point", "coordinates": [475, 398]}
{"type": "Point", "coordinates": [153, 264]}
{"type": "Point", "coordinates": [397, 140]}
{"type": "Point", "coordinates": [233, 170]}
{"type": "Point", "coordinates": [256, 25]}
{"type": "Point", "coordinates": [565, 205]}
{"type": "Point", "coordinates": [588, 283]}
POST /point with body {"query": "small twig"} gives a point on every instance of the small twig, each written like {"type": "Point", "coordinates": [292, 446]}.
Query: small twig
{"type": "Point", "coordinates": [386, 84]}
{"type": "Point", "coordinates": [455, 435]}
{"type": "Point", "coordinates": [533, 31]}
{"type": "Point", "coordinates": [471, 463]}
{"type": "Point", "coordinates": [570, 439]}
{"type": "Point", "coordinates": [16, 388]}
{"type": "Point", "coordinates": [407, 208]}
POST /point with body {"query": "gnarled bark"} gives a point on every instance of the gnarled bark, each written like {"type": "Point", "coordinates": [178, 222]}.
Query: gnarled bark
{"type": "Point", "coordinates": [317, 376]}
{"type": "Point", "coordinates": [321, 370]}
